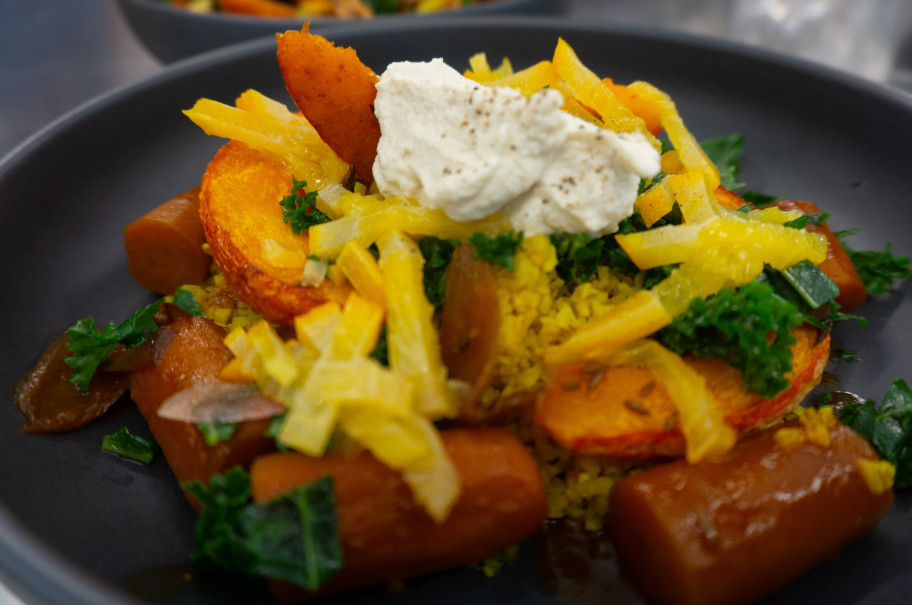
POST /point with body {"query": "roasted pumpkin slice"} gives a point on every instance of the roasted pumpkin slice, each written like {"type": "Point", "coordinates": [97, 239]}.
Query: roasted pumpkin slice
{"type": "Point", "coordinates": [624, 412]}
{"type": "Point", "coordinates": [335, 91]}
{"type": "Point", "coordinates": [261, 257]}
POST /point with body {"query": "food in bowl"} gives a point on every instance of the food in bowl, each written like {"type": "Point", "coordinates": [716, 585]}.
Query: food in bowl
{"type": "Point", "coordinates": [397, 337]}
{"type": "Point", "coordinates": [345, 9]}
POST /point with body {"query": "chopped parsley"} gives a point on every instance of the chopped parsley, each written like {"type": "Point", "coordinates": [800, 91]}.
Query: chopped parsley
{"type": "Point", "coordinates": [888, 427]}
{"type": "Point", "coordinates": [293, 537]}
{"type": "Point", "coordinates": [216, 432]}
{"type": "Point", "coordinates": [300, 211]}
{"type": "Point", "coordinates": [748, 327]}
{"type": "Point", "coordinates": [498, 250]}
{"type": "Point", "coordinates": [125, 444]}
{"type": "Point", "coordinates": [185, 300]}
{"type": "Point", "coordinates": [90, 348]}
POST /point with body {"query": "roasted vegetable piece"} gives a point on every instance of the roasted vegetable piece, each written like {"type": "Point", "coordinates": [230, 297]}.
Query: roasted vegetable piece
{"type": "Point", "coordinates": [261, 258]}
{"type": "Point", "coordinates": [469, 321]}
{"type": "Point", "coordinates": [623, 412]}
{"type": "Point", "coordinates": [188, 351]}
{"type": "Point", "coordinates": [733, 530]}
{"type": "Point", "coordinates": [261, 8]}
{"type": "Point", "coordinates": [165, 247]}
{"type": "Point", "coordinates": [386, 537]}
{"type": "Point", "coordinates": [837, 265]}
{"type": "Point", "coordinates": [51, 403]}
{"type": "Point", "coordinates": [335, 91]}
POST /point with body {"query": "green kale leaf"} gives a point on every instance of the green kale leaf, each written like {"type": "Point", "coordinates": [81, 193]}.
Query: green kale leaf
{"type": "Point", "coordinates": [293, 537]}
{"type": "Point", "coordinates": [725, 153]}
{"type": "Point", "coordinates": [186, 301]}
{"type": "Point", "coordinates": [877, 269]}
{"type": "Point", "coordinates": [735, 326]}
{"type": "Point", "coordinates": [300, 211]}
{"type": "Point", "coordinates": [90, 348]}
{"type": "Point", "coordinates": [578, 256]}
{"type": "Point", "coordinates": [497, 250]}
{"type": "Point", "coordinates": [437, 255]}
{"type": "Point", "coordinates": [125, 444]}
{"type": "Point", "coordinates": [216, 432]}
{"type": "Point", "coordinates": [888, 427]}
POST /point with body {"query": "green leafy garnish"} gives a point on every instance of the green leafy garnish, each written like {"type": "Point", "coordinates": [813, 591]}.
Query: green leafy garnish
{"type": "Point", "coordinates": [300, 211]}
{"type": "Point", "coordinates": [802, 284]}
{"type": "Point", "coordinates": [381, 350]}
{"type": "Point", "coordinates": [735, 325]}
{"type": "Point", "coordinates": [759, 200]}
{"type": "Point", "coordinates": [91, 348]}
{"type": "Point", "coordinates": [578, 256]}
{"type": "Point", "coordinates": [294, 537]}
{"type": "Point", "coordinates": [498, 250]}
{"type": "Point", "coordinates": [437, 255]}
{"type": "Point", "coordinates": [125, 444]}
{"type": "Point", "coordinates": [216, 432]}
{"type": "Point", "coordinates": [888, 427]}
{"type": "Point", "coordinates": [877, 269]}
{"type": "Point", "coordinates": [725, 153]}
{"type": "Point", "coordinates": [186, 301]}
{"type": "Point", "coordinates": [815, 218]}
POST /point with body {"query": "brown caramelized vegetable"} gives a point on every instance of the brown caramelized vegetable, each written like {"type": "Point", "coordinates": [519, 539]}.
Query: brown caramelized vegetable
{"type": "Point", "coordinates": [51, 403]}
{"type": "Point", "coordinates": [731, 531]}
{"type": "Point", "coordinates": [386, 536]}
{"type": "Point", "coordinates": [165, 247]}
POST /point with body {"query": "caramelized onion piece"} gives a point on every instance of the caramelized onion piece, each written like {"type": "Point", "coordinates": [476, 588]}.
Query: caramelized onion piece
{"type": "Point", "coordinates": [51, 403]}
{"type": "Point", "coordinates": [469, 322]}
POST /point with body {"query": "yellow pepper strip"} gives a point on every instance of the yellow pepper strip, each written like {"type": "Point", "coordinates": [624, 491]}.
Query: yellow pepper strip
{"type": "Point", "coordinates": [702, 424]}
{"type": "Point", "coordinates": [591, 92]}
{"type": "Point", "coordinates": [362, 270]}
{"type": "Point", "coordinates": [690, 153]}
{"type": "Point", "coordinates": [671, 162]}
{"type": "Point", "coordinates": [479, 68]}
{"type": "Point", "coordinates": [315, 328]}
{"type": "Point", "coordinates": [328, 239]}
{"type": "Point", "coordinates": [270, 127]}
{"type": "Point", "coordinates": [412, 338]}
{"type": "Point", "coordinates": [666, 245]}
{"type": "Point", "coordinates": [634, 318]}
{"type": "Point", "coordinates": [695, 199]}
{"type": "Point", "coordinates": [574, 107]}
{"type": "Point", "coordinates": [532, 79]}
{"type": "Point", "coordinates": [309, 423]}
{"type": "Point", "coordinates": [655, 202]}
{"type": "Point", "coordinates": [358, 329]}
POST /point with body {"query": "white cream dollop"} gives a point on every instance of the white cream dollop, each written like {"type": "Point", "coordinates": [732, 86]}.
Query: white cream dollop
{"type": "Point", "coordinates": [472, 150]}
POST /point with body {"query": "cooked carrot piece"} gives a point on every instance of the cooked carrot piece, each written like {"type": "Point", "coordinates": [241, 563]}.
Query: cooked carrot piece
{"type": "Point", "coordinates": [623, 412]}
{"type": "Point", "coordinates": [386, 536]}
{"type": "Point", "coordinates": [728, 198]}
{"type": "Point", "coordinates": [732, 530]}
{"type": "Point", "coordinates": [335, 91]}
{"type": "Point", "coordinates": [838, 266]}
{"type": "Point", "coordinates": [51, 403]}
{"type": "Point", "coordinates": [188, 351]}
{"type": "Point", "coordinates": [165, 247]}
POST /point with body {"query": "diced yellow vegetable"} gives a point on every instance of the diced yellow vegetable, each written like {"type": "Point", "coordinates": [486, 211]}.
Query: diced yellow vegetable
{"type": "Point", "coordinates": [315, 328]}
{"type": "Point", "coordinates": [878, 474]}
{"type": "Point", "coordinates": [412, 339]}
{"type": "Point", "coordinates": [358, 329]}
{"type": "Point", "coordinates": [362, 270]}
{"type": "Point", "coordinates": [280, 365]}
{"type": "Point", "coordinates": [655, 202]}
{"type": "Point", "coordinates": [701, 422]}
{"type": "Point", "coordinates": [634, 318]}
{"type": "Point", "coordinates": [309, 423]}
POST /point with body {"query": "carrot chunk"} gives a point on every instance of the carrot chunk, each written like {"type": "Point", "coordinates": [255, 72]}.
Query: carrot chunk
{"type": "Point", "coordinates": [732, 530]}
{"type": "Point", "coordinates": [165, 247]}
{"type": "Point", "coordinates": [385, 536]}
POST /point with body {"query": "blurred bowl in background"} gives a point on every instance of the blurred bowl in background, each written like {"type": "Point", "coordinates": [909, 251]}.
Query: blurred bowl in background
{"type": "Point", "coordinates": [172, 33]}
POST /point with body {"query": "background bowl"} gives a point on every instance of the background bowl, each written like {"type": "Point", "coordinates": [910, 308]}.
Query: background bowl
{"type": "Point", "coordinates": [172, 33]}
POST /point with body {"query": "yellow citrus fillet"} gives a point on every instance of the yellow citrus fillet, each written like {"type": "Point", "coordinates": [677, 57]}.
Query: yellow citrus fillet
{"type": "Point", "coordinates": [632, 412]}
{"type": "Point", "coordinates": [263, 261]}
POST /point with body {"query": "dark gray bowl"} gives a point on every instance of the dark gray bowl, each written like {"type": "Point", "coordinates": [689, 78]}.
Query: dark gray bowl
{"type": "Point", "coordinates": [83, 528]}
{"type": "Point", "coordinates": [172, 33]}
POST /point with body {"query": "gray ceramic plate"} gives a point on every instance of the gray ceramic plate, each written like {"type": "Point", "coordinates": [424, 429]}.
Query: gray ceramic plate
{"type": "Point", "coordinates": [173, 33]}
{"type": "Point", "coordinates": [80, 527]}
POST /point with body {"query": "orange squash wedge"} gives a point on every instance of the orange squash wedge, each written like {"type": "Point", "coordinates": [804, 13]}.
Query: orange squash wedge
{"type": "Point", "coordinates": [239, 206]}
{"type": "Point", "coordinates": [623, 412]}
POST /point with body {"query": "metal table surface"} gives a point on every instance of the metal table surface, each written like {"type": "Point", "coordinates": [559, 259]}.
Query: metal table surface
{"type": "Point", "coordinates": [57, 54]}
